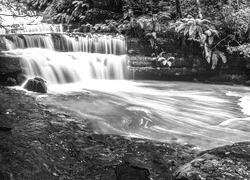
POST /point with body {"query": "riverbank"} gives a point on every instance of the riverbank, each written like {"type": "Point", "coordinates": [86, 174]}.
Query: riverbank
{"type": "Point", "coordinates": [41, 141]}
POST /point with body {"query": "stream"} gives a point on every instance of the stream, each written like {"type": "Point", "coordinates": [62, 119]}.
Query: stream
{"type": "Point", "coordinates": [203, 115]}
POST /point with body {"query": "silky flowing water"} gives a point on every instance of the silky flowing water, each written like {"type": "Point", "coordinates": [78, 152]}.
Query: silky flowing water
{"type": "Point", "coordinates": [204, 115]}
{"type": "Point", "coordinates": [87, 75]}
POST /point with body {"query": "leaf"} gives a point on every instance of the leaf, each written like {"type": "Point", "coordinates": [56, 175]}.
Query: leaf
{"type": "Point", "coordinates": [199, 30]}
{"type": "Point", "coordinates": [180, 28]}
{"type": "Point", "coordinates": [203, 38]}
{"type": "Point", "coordinates": [192, 31]}
{"type": "Point", "coordinates": [154, 35]}
{"type": "Point", "coordinates": [222, 56]}
{"type": "Point", "coordinates": [169, 63]}
{"type": "Point", "coordinates": [208, 53]}
{"type": "Point", "coordinates": [186, 31]}
{"type": "Point", "coordinates": [210, 40]}
{"type": "Point", "coordinates": [161, 59]}
{"type": "Point", "coordinates": [164, 62]}
{"type": "Point", "coordinates": [214, 60]}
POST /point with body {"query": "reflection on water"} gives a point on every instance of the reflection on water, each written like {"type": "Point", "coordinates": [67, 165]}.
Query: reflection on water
{"type": "Point", "coordinates": [200, 114]}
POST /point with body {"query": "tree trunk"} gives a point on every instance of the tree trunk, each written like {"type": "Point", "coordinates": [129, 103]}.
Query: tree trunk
{"type": "Point", "coordinates": [199, 9]}
{"type": "Point", "coordinates": [178, 8]}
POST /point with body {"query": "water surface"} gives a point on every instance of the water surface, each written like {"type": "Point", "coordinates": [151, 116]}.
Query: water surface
{"type": "Point", "coordinates": [204, 115]}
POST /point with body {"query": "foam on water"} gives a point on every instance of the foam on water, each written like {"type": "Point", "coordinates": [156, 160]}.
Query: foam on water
{"type": "Point", "coordinates": [245, 104]}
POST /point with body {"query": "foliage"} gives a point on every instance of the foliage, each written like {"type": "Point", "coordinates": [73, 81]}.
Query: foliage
{"type": "Point", "coordinates": [243, 49]}
{"type": "Point", "coordinates": [38, 5]}
{"type": "Point", "coordinates": [66, 11]}
{"type": "Point", "coordinates": [203, 32]}
{"type": "Point", "coordinates": [14, 8]}
{"type": "Point", "coordinates": [237, 20]}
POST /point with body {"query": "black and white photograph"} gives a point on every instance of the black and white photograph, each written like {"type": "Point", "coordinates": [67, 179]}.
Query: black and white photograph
{"type": "Point", "coordinates": [124, 89]}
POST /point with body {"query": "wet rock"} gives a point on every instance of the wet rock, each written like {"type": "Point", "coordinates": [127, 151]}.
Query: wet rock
{"type": "Point", "coordinates": [247, 83]}
{"type": "Point", "coordinates": [6, 129]}
{"type": "Point", "coordinates": [129, 172]}
{"type": "Point", "coordinates": [227, 162]}
{"type": "Point", "coordinates": [21, 78]}
{"type": "Point", "coordinates": [36, 85]}
{"type": "Point", "coordinates": [11, 81]}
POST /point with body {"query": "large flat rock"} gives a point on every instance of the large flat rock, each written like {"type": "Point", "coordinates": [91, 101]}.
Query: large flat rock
{"type": "Point", "coordinates": [223, 163]}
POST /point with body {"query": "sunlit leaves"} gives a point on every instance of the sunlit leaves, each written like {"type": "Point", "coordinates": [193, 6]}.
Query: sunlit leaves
{"type": "Point", "coordinates": [243, 49]}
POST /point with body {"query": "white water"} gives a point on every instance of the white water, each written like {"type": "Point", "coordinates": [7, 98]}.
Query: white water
{"type": "Point", "coordinates": [40, 28]}
{"type": "Point", "coordinates": [94, 43]}
{"type": "Point", "coordinates": [33, 28]}
{"type": "Point", "coordinates": [200, 114]}
{"type": "Point", "coordinates": [65, 67]}
{"type": "Point", "coordinates": [105, 44]}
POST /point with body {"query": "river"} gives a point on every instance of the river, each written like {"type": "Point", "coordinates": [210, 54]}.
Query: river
{"type": "Point", "coordinates": [203, 115]}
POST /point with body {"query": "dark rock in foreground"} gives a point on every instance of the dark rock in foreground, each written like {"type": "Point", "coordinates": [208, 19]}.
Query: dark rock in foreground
{"type": "Point", "coordinates": [36, 85]}
{"type": "Point", "coordinates": [223, 163]}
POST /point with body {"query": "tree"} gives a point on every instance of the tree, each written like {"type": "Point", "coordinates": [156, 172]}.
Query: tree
{"type": "Point", "coordinates": [178, 8]}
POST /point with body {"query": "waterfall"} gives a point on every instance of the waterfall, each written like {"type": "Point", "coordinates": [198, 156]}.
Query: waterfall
{"type": "Point", "coordinates": [70, 67]}
{"type": "Point", "coordinates": [105, 44]}
{"type": "Point", "coordinates": [32, 28]}
{"type": "Point", "coordinates": [41, 28]}
{"type": "Point", "coordinates": [29, 41]}
{"type": "Point", "coordinates": [59, 58]}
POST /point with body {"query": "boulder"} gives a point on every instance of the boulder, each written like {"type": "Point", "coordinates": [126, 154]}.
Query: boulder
{"type": "Point", "coordinates": [229, 162]}
{"type": "Point", "coordinates": [36, 84]}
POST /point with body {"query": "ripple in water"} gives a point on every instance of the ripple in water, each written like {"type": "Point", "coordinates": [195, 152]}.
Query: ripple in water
{"type": "Point", "coordinates": [200, 114]}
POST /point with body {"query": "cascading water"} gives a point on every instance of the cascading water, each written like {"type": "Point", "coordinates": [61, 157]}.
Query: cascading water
{"type": "Point", "coordinates": [105, 44]}
{"type": "Point", "coordinates": [41, 28]}
{"type": "Point", "coordinates": [70, 67]}
{"type": "Point", "coordinates": [62, 58]}
{"type": "Point", "coordinates": [32, 28]}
